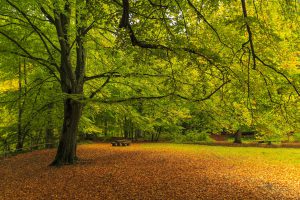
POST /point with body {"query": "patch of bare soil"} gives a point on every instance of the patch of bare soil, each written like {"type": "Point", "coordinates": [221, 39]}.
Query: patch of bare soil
{"type": "Point", "coordinates": [135, 172]}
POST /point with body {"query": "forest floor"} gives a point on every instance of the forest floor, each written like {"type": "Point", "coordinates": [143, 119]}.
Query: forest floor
{"type": "Point", "coordinates": [155, 171]}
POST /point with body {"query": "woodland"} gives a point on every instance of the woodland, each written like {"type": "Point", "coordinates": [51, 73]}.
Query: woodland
{"type": "Point", "coordinates": [146, 70]}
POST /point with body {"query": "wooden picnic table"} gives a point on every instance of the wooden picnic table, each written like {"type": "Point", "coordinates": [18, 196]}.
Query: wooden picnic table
{"type": "Point", "coordinates": [121, 143]}
{"type": "Point", "coordinates": [269, 142]}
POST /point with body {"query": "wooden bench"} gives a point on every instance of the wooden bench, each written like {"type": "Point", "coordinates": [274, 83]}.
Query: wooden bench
{"type": "Point", "coordinates": [269, 142]}
{"type": "Point", "coordinates": [121, 143]}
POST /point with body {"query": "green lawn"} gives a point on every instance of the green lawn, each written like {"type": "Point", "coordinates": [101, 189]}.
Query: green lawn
{"type": "Point", "coordinates": [283, 155]}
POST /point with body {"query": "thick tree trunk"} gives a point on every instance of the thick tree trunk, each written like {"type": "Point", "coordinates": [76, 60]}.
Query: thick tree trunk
{"type": "Point", "coordinates": [238, 137]}
{"type": "Point", "coordinates": [66, 152]}
{"type": "Point", "coordinates": [71, 81]}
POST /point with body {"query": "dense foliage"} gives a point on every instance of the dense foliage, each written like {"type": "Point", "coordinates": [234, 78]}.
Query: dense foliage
{"type": "Point", "coordinates": [146, 69]}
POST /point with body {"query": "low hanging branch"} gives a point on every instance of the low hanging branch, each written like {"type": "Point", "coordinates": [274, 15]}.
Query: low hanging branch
{"type": "Point", "coordinates": [256, 57]}
{"type": "Point", "coordinates": [280, 73]}
{"type": "Point", "coordinates": [134, 99]}
{"type": "Point", "coordinates": [164, 96]}
{"type": "Point", "coordinates": [117, 74]}
{"type": "Point", "coordinates": [206, 97]}
{"type": "Point", "coordinates": [125, 23]}
{"type": "Point", "coordinates": [100, 88]}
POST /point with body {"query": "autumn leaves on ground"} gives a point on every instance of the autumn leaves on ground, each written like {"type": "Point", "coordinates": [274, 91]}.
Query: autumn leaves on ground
{"type": "Point", "coordinates": [155, 171]}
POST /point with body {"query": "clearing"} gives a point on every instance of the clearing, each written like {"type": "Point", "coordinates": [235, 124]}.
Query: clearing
{"type": "Point", "coordinates": [155, 171]}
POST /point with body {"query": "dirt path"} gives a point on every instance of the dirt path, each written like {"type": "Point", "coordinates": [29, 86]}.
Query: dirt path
{"type": "Point", "coordinates": [136, 172]}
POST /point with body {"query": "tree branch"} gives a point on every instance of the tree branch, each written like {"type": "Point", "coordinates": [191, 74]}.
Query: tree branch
{"type": "Point", "coordinates": [281, 73]}
{"type": "Point", "coordinates": [204, 98]}
{"type": "Point", "coordinates": [28, 55]}
{"type": "Point", "coordinates": [200, 15]}
{"type": "Point", "coordinates": [157, 5]}
{"type": "Point", "coordinates": [100, 88]}
{"type": "Point", "coordinates": [37, 30]}
{"type": "Point", "coordinates": [83, 34]}
{"type": "Point", "coordinates": [249, 33]}
{"type": "Point", "coordinates": [49, 17]}
{"type": "Point", "coordinates": [124, 23]}
{"type": "Point", "coordinates": [134, 99]}
{"type": "Point", "coordinates": [117, 74]}
{"type": "Point", "coordinates": [162, 96]}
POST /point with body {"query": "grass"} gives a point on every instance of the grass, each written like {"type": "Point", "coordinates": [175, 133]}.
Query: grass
{"type": "Point", "coordinates": [274, 155]}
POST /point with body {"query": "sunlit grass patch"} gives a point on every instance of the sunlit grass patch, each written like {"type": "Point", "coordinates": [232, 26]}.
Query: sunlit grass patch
{"type": "Point", "coordinates": [278, 155]}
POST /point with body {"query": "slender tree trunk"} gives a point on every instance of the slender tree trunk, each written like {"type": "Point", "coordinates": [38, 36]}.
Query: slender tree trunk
{"type": "Point", "coordinates": [37, 140]}
{"type": "Point", "coordinates": [158, 134]}
{"type": "Point", "coordinates": [66, 152]}
{"type": "Point", "coordinates": [19, 133]}
{"type": "Point", "coordinates": [138, 133]}
{"type": "Point", "coordinates": [49, 139]}
{"type": "Point", "coordinates": [19, 145]}
{"type": "Point", "coordinates": [126, 128]}
{"type": "Point", "coordinates": [131, 130]}
{"type": "Point", "coordinates": [105, 127]}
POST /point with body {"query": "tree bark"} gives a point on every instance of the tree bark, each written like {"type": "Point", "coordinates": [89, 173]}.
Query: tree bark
{"type": "Point", "coordinates": [66, 152]}
{"type": "Point", "coordinates": [238, 137]}
{"type": "Point", "coordinates": [71, 81]}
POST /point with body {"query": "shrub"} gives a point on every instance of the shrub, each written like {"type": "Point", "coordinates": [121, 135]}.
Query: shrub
{"type": "Point", "coordinates": [166, 137]}
{"type": "Point", "coordinates": [192, 136]}
{"type": "Point", "coordinates": [297, 137]}
{"type": "Point", "coordinates": [179, 138]}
